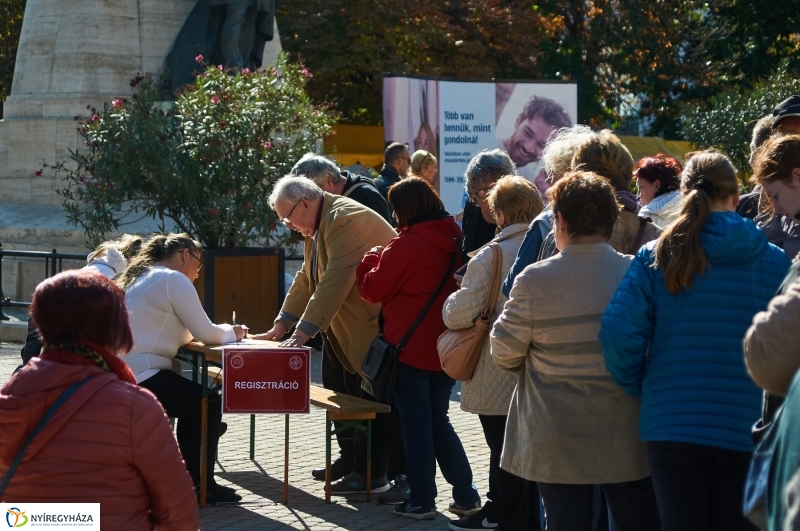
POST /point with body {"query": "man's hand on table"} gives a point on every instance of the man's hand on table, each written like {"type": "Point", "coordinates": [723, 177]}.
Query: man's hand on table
{"type": "Point", "coordinates": [277, 331]}
{"type": "Point", "coordinates": [298, 339]}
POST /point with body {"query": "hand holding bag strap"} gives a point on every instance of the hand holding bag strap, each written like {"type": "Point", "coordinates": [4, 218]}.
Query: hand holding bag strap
{"type": "Point", "coordinates": [428, 305]}
{"type": "Point", "coordinates": [45, 418]}
{"type": "Point", "coordinates": [495, 281]}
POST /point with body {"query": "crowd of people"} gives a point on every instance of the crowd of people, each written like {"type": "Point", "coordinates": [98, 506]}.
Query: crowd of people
{"type": "Point", "coordinates": [643, 348]}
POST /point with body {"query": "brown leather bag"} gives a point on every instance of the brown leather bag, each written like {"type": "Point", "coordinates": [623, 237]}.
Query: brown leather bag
{"type": "Point", "coordinates": [460, 350]}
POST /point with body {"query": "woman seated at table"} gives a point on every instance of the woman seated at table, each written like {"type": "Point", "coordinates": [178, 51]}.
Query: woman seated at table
{"type": "Point", "coordinates": [165, 313]}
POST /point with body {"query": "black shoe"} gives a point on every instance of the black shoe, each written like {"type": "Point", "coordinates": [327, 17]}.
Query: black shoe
{"type": "Point", "coordinates": [219, 494]}
{"type": "Point", "coordinates": [479, 520]}
{"type": "Point", "coordinates": [339, 469]}
{"type": "Point", "coordinates": [355, 483]}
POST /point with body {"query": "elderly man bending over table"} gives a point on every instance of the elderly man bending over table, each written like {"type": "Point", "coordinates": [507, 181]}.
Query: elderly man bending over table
{"type": "Point", "coordinates": [324, 298]}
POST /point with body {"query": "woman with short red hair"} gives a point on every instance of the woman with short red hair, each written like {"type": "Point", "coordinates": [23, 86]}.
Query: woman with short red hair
{"type": "Point", "coordinates": [109, 440]}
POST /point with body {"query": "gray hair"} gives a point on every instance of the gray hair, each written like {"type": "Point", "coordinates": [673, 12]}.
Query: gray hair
{"type": "Point", "coordinates": [292, 188]}
{"type": "Point", "coordinates": [560, 148]}
{"type": "Point", "coordinates": [488, 166]}
{"type": "Point", "coordinates": [316, 167]}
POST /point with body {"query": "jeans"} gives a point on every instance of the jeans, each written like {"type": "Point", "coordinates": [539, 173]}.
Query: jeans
{"type": "Point", "coordinates": [422, 399]}
{"type": "Point", "coordinates": [570, 507]}
{"type": "Point", "coordinates": [698, 487]}
{"type": "Point", "coordinates": [513, 501]}
{"type": "Point", "coordinates": [181, 399]}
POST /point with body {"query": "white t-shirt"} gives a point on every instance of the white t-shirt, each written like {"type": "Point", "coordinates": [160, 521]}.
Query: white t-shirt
{"type": "Point", "coordinates": [165, 313]}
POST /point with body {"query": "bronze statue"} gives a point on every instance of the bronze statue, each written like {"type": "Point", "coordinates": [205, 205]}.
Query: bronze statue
{"type": "Point", "coordinates": [231, 33]}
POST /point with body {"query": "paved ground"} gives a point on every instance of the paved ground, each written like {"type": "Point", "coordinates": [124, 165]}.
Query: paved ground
{"type": "Point", "coordinates": [260, 482]}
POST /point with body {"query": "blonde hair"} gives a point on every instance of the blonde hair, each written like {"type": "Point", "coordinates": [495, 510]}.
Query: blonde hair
{"type": "Point", "coordinates": [128, 245]}
{"type": "Point", "coordinates": [560, 149]}
{"type": "Point", "coordinates": [604, 154]}
{"type": "Point", "coordinates": [517, 198]}
{"type": "Point", "coordinates": [156, 249]}
{"type": "Point", "coordinates": [420, 160]}
{"type": "Point", "coordinates": [708, 177]}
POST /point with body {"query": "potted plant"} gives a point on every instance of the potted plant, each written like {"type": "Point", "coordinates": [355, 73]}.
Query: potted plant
{"type": "Point", "coordinates": [206, 165]}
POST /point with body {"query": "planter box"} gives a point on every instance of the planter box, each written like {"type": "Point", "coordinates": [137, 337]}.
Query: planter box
{"type": "Point", "coordinates": [245, 280]}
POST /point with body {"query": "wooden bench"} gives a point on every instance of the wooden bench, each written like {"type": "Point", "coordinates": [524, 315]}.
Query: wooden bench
{"type": "Point", "coordinates": [351, 412]}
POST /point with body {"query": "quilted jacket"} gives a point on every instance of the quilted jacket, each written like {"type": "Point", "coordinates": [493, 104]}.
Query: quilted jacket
{"type": "Point", "coordinates": [110, 442]}
{"type": "Point", "coordinates": [683, 353]}
{"type": "Point", "coordinates": [489, 390]}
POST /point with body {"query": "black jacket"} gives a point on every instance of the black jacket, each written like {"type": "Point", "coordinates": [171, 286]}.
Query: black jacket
{"type": "Point", "coordinates": [388, 177]}
{"type": "Point", "coordinates": [476, 231]}
{"type": "Point", "coordinates": [363, 190]}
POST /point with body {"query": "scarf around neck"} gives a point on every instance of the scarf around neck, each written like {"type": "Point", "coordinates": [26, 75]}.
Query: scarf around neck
{"type": "Point", "coordinates": [88, 353]}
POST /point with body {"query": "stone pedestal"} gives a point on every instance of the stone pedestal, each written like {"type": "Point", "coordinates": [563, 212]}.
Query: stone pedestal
{"type": "Point", "coordinates": [74, 53]}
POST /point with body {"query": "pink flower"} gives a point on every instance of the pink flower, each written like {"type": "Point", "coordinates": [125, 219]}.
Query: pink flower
{"type": "Point", "coordinates": [213, 211]}
{"type": "Point", "coordinates": [81, 179]}
{"type": "Point", "coordinates": [267, 145]}
{"type": "Point", "coordinates": [116, 102]}
{"type": "Point", "coordinates": [306, 73]}
{"type": "Point", "coordinates": [214, 100]}
{"type": "Point", "coordinates": [219, 67]}
{"type": "Point", "coordinates": [95, 117]}
{"type": "Point", "coordinates": [249, 206]}
{"type": "Point", "coordinates": [199, 58]}
{"type": "Point", "coordinates": [246, 71]}
{"type": "Point", "coordinates": [38, 173]}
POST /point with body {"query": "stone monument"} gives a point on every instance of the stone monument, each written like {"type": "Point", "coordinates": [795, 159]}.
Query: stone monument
{"type": "Point", "coordinates": [73, 53]}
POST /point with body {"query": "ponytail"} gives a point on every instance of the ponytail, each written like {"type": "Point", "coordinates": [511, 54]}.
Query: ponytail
{"type": "Point", "coordinates": [708, 178]}
{"type": "Point", "coordinates": [156, 249]}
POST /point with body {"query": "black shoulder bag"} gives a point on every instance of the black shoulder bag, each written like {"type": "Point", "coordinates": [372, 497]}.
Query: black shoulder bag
{"type": "Point", "coordinates": [380, 363]}
{"type": "Point", "coordinates": [45, 418]}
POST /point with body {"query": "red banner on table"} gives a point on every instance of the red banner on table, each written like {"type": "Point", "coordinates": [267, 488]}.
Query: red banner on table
{"type": "Point", "coordinates": [266, 380]}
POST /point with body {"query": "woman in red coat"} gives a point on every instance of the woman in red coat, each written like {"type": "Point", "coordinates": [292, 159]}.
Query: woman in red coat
{"type": "Point", "coordinates": [403, 277]}
{"type": "Point", "coordinates": [109, 442]}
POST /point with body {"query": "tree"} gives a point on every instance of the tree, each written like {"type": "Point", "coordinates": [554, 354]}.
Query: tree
{"type": "Point", "coordinates": [351, 44]}
{"type": "Point", "coordinates": [726, 122]}
{"type": "Point", "coordinates": [635, 61]}
{"type": "Point", "coordinates": [11, 13]}
{"type": "Point", "coordinates": [208, 163]}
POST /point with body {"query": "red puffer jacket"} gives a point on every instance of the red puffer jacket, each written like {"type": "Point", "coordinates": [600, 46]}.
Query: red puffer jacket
{"type": "Point", "coordinates": [110, 442]}
{"type": "Point", "coordinates": [404, 276]}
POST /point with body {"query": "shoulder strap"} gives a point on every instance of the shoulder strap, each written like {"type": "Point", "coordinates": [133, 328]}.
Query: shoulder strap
{"type": "Point", "coordinates": [430, 302]}
{"type": "Point", "coordinates": [637, 241]}
{"type": "Point", "coordinates": [494, 280]}
{"type": "Point", "coordinates": [45, 418]}
{"type": "Point", "coordinates": [350, 190]}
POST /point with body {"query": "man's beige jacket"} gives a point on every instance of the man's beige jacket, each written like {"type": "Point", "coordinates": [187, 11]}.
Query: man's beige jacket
{"type": "Point", "coordinates": [328, 297]}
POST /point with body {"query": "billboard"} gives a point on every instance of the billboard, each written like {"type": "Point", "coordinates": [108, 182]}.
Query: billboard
{"type": "Point", "coordinates": [455, 120]}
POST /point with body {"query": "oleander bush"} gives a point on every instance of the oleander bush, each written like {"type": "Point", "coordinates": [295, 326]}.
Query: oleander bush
{"type": "Point", "coordinates": [206, 163]}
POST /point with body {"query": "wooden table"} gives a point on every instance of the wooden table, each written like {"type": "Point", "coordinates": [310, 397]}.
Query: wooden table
{"type": "Point", "coordinates": [200, 356]}
{"type": "Point", "coordinates": [349, 410]}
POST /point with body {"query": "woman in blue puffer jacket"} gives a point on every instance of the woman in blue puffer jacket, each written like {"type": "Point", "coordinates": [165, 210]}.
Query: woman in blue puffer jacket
{"type": "Point", "coordinates": [672, 334]}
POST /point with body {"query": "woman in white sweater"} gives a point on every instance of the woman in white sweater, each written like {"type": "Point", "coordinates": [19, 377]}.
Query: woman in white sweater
{"type": "Point", "coordinates": [513, 501]}
{"type": "Point", "coordinates": [165, 313]}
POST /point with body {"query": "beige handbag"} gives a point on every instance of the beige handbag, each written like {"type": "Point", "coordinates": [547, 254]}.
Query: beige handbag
{"type": "Point", "coordinates": [460, 350]}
